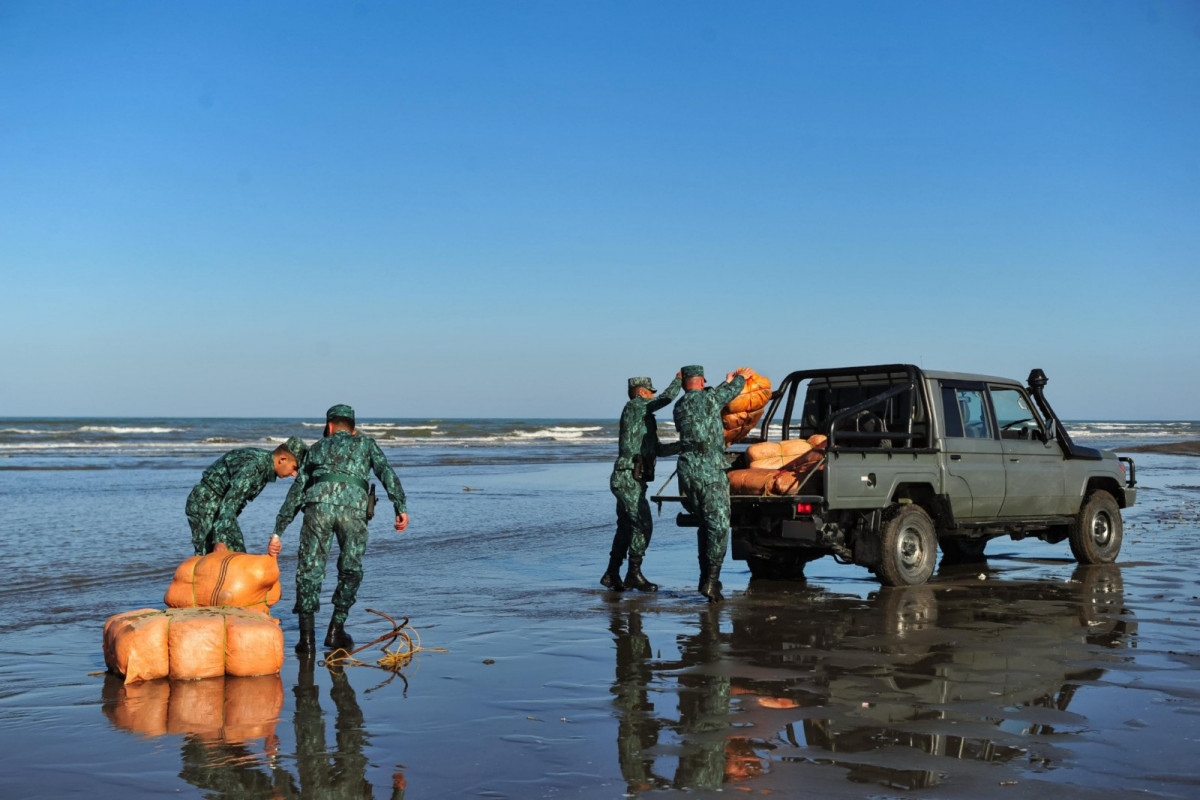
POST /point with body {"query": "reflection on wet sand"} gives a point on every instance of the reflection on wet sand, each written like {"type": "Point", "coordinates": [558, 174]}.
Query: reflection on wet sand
{"type": "Point", "coordinates": [892, 690]}
{"type": "Point", "coordinates": [221, 719]}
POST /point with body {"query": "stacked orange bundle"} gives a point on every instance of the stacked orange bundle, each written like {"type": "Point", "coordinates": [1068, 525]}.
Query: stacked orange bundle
{"type": "Point", "coordinates": [229, 709]}
{"type": "Point", "coordinates": [191, 643]}
{"type": "Point", "coordinates": [217, 623]}
{"type": "Point", "coordinates": [776, 455]}
{"type": "Point", "coordinates": [778, 468]}
{"type": "Point", "coordinates": [744, 411]}
{"type": "Point", "coordinates": [751, 481]}
{"type": "Point", "coordinates": [226, 578]}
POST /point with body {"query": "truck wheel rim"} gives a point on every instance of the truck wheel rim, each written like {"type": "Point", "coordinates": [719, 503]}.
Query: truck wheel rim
{"type": "Point", "coordinates": [908, 547]}
{"type": "Point", "coordinates": [1102, 530]}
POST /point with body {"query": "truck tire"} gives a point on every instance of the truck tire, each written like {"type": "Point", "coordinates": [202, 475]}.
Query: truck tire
{"type": "Point", "coordinates": [908, 548]}
{"type": "Point", "coordinates": [1098, 530]}
{"type": "Point", "coordinates": [962, 549]}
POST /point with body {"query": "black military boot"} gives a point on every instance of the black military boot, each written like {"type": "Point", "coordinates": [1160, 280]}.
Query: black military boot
{"type": "Point", "coordinates": [612, 577]}
{"type": "Point", "coordinates": [710, 584]}
{"type": "Point", "coordinates": [634, 579]}
{"type": "Point", "coordinates": [308, 636]}
{"type": "Point", "coordinates": [338, 638]}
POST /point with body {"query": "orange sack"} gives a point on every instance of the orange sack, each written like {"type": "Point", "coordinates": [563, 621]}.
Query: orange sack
{"type": "Point", "coordinates": [192, 643]}
{"type": "Point", "coordinates": [790, 479]}
{"type": "Point", "coordinates": [227, 709]}
{"type": "Point", "coordinates": [226, 578]}
{"type": "Point", "coordinates": [751, 481]}
{"type": "Point", "coordinates": [744, 411]}
{"type": "Point", "coordinates": [776, 455]}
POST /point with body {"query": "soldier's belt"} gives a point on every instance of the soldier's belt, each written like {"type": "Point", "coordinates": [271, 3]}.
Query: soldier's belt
{"type": "Point", "coordinates": [340, 477]}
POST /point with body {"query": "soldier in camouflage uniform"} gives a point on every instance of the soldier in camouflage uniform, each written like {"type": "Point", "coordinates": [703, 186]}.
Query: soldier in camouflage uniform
{"type": "Point", "coordinates": [637, 450]}
{"type": "Point", "coordinates": [332, 488]}
{"type": "Point", "coordinates": [702, 465]}
{"type": "Point", "coordinates": [232, 481]}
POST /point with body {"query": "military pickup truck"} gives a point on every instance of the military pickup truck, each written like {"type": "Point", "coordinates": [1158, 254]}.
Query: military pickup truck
{"type": "Point", "coordinates": [915, 460]}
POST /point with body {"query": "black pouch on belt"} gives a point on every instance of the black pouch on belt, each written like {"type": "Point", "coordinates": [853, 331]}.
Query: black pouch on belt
{"type": "Point", "coordinates": [371, 502]}
{"type": "Point", "coordinates": [643, 469]}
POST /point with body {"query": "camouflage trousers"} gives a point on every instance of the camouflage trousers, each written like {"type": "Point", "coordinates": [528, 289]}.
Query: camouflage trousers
{"type": "Point", "coordinates": [321, 523]}
{"type": "Point", "coordinates": [634, 521]}
{"type": "Point", "coordinates": [201, 509]}
{"type": "Point", "coordinates": [709, 501]}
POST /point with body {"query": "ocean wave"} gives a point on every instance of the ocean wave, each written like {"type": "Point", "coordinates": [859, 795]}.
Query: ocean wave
{"type": "Point", "coordinates": [557, 432]}
{"type": "Point", "coordinates": [123, 447]}
{"type": "Point", "coordinates": [378, 426]}
{"type": "Point", "coordinates": [123, 429]}
{"type": "Point", "coordinates": [394, 426]}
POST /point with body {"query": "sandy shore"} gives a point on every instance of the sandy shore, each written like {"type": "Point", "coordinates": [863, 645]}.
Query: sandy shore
{"type": "Point", "coordinates": [1025, 673]}
{"type": "Point", "coordinates": [1188, 448]}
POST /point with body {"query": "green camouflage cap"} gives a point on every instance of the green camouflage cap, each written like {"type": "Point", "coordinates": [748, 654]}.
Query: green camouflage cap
{"type": "Point", "coordinates": [692, 371]}
{"type": "Point", "coordinates": [340, 410]}
{"type": "Point", "coordinates": [296, 447]}
{"type": "Point", "coordinates": [641, 383]}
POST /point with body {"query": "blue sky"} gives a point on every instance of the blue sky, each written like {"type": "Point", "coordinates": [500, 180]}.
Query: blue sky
{"type": "Point", "coordinates": [507, 208]}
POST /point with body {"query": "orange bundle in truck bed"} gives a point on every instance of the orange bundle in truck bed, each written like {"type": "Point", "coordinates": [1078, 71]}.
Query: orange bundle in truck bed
{"type": "Point", "coordinates": [226, 578]}
{"type": "Point", "coordinates": [751, 481]}
{"type": "Point", "coordinates": [778, 468]}
{"type": "Point", "coordinates": [744, 411]}
{"type": "Point", "coordinates": [776, 455]}
{"type": "Point", "coordinates": [191, 643]}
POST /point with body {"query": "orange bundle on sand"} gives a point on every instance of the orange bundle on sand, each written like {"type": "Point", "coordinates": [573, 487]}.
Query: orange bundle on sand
{"type": "Point", "coordinates": [744, 411]}
{"type": "Point", "coordinates": [226, 578]}
{"type": "Point", "coordinates": [229, 709]}
{"type": "Point", "coordinates": [191, 643]}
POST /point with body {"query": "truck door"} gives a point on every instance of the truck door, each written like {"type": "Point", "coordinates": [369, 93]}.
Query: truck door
{"type": "Point", "coordinates": [973, 454]}
{"type": "Point", "coordinates": [1034, 480]}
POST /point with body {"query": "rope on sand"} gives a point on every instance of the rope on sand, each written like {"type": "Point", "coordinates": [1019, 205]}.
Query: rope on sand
{"type": "Point", "coordinates": [404, 637]}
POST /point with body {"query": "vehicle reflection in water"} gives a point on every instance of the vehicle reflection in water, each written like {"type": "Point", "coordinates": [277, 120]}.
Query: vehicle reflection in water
{"type": "Point", "coordinates": [886, 689]}
{"type": "Point", "coordinates": [222, 721]}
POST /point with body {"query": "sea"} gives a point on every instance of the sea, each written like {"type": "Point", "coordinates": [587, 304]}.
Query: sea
{"type": "Point", "coordinates": [183, 443]}
{"type": "Point", "coordinates": [1027, 673]}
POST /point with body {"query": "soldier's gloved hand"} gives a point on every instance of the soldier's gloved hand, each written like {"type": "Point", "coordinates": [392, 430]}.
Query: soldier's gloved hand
{"type": "Point", "coordinates": [274, 547]}
{"type": "Point", "coordinates": [401, 522]}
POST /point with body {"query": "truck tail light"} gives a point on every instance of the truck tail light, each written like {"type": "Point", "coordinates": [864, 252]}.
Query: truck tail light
{"type": "Point", "coordinates": [804, 508]}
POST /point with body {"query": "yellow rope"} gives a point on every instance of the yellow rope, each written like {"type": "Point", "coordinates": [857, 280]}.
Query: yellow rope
{"type": "Point", "coordinates": [401, 635]}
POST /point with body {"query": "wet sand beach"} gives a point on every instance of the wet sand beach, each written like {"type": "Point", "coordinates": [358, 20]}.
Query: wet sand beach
{"type": "Point", "coordinates": [1026, 674]}
{"type": "Point", "coordinates": [1189, 448]}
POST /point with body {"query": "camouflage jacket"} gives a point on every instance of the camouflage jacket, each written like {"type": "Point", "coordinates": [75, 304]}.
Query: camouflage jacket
{"type": "Point", "coordinates": [343, 455]}
{"type": "Point", "coordinates": [639, 429]}
{"type": "Point", "coordinates": [701, 434]}
{"type": "Point", "coordinates": [236, 478]}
